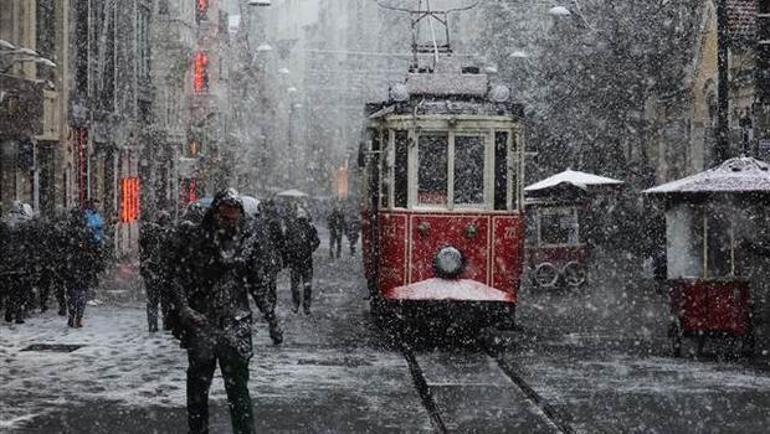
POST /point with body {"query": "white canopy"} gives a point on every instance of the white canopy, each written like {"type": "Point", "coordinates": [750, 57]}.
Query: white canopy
{"type": "Point", "coordinates": [578, 179]}
{"type": "Point", "coordinates": [736, 175]}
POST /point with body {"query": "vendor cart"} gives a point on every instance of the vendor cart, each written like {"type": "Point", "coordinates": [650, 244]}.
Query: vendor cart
{"type": "Point", "coordinates": [557, 210]}
{"type": "Point", "coordinates": [716, 245]}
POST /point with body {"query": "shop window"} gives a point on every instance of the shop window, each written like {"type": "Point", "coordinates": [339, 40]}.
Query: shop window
{"type": "Point", "coordinates": [433, 168]}
{"type": "Point", "coordinates": [469, 170]}
{"type": "Point", "coordinates": [558, 226]}
{"type": "Point", "coordinates": [684, 235]}
{"type": "Point", "coordinates": [718, 245]}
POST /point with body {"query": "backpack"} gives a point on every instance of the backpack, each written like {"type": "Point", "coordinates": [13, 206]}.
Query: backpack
{"type": "Point", "coordinates": [95, 225]}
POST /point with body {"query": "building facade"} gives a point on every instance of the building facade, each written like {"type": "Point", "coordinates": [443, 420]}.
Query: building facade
{"type": "Point", "coordinates": [684, 122]}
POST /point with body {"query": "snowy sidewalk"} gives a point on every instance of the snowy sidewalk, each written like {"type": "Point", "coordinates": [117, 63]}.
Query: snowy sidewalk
{"type": "Point", "coordinates": [331, 374]}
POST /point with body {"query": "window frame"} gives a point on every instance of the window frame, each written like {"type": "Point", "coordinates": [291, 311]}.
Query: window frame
{"type": "Point", "coordinates": [451, 205]}
{"type": "Point", "coordinates": [452, 127]}
{"type": "Point", "coordinates": [558, 210]}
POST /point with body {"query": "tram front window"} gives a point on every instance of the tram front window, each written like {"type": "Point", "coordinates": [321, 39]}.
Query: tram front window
{"type": "Point", "coordinates": [469, 170]}
{"type": "Point", "coordinates": [433, 157]}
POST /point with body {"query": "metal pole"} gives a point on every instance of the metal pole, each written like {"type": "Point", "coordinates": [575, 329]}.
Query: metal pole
{"type": "Point", "coordinates": [722, 149]}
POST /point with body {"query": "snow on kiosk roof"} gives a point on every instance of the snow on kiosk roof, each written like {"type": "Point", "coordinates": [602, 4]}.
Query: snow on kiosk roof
{"type": "Point", "coordinates": [572, 177]}
{"type": "Point", "coordinates": [736, 175]}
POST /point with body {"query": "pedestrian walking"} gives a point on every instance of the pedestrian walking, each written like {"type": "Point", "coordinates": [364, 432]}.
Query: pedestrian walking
{"type": "Point", "coordinates": [80, 271]}
{"type": "Point", "coordinates": [214, 310]}
{"type": "Point", "coordinates": [353, 230]}
{"type": "Point", "coordinates": [5, 265]}
{"type": "Point", "coordinates": [301, 241]}
{"type": "Point", "coordinates": [267, 243]}
{"type": "Point", "coordinates": [153, 269]}
{"type": "Point", "coordinates": [336, 223]}
{"type": "Point", "coordinates": [18, 262]}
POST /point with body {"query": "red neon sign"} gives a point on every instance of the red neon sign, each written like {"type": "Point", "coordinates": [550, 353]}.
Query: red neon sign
{"type": "Point", "coordinates": [129, 205]}
{"type": "Point", "coordinates": [201, 9]}
{"type": "Point", "coordinates": [200, 72]}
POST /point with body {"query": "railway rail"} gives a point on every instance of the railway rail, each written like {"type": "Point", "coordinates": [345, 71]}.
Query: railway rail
{"type": "Point", "coordinates": [496, 370]}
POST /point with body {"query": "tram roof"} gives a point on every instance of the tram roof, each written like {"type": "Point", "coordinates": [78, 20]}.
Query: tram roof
{"type": "Point", "coordinates": [449, 89]}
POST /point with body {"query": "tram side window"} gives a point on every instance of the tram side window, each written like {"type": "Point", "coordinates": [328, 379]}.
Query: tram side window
{"type": "Point", "coordinates": [387, 170]}
{"type": "Point", "coordinates": [401, 183]}
{"type": "Point", "coordinates": [433, 168]}
{"type": "Point", "coordinates": [501, 170]}
{"type": "Point", "coordinates": [469, 170]}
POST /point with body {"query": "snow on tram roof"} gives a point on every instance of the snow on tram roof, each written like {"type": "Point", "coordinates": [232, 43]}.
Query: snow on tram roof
{"type": "Point", "coordinates": [736, 175]}
{"type": "Point", "coordinates": [447, 84]}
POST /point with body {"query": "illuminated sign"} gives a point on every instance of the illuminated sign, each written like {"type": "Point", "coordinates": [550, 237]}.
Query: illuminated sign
{"type": "Point", "coordinates": [129, 205]}
{"type": "Point", "coordinates": [200, 72]}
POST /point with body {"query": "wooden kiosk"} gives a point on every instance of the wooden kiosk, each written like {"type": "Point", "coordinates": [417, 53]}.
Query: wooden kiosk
{"type": "Point", "coordinates": [718, 246]}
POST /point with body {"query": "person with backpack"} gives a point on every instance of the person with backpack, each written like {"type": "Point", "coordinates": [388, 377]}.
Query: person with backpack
{"type": "Point", "coordinates": [301, 241]}
{"type": "Point", "coordinates": [77, 273]}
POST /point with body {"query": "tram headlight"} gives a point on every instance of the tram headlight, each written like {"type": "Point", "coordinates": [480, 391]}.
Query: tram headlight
{"type": "Point", "coordinates": [449, 262]}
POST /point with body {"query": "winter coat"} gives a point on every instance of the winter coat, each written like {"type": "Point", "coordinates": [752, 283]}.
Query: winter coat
{"type": "Point", "coordinates": [336, 221]}
{"type": "Point", "coordinates": [152, 244]}
{"type": "Point", "coordinates": [81, 265]}
{"type": "Point", "coordinates": [211, 292]}
{"type": "Point", "coordinates": [5, 263]}
{"type": "Point", "coordinates": [301, 241]}
{"type": "Point", "coordinates": [266, 246]}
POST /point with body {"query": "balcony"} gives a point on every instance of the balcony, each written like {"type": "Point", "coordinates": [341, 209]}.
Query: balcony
{"type": "Point", "coordinates": [21, 106]}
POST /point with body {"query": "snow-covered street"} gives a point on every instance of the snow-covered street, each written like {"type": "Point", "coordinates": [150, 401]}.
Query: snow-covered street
{"type": "Point", "coordinates": [335, 374]}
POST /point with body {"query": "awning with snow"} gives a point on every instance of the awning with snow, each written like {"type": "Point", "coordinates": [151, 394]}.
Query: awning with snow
{"type": "Point", "coordinates": [736, 175]}
{"type": "Point", "coordinates": [580, 180]}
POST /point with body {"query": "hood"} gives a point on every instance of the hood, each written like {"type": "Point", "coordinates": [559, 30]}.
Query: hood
{"type": "Point", "coordinates": [229, 196]}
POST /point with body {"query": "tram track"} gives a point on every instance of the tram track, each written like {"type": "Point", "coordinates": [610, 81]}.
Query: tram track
{"type": "Point", "coordinates": [546, 412]}
{"type": "Point", "coordinates": [549, 413]}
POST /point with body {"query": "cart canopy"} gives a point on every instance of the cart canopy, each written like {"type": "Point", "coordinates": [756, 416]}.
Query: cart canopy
{"type": "Point", "coordinates": [736, 175]}
{"type": "Point", "coordinates": [580, 180]}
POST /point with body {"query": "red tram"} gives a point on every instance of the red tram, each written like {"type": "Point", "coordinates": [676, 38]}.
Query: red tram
{"type": "Point", "coordinates": [443, 227]}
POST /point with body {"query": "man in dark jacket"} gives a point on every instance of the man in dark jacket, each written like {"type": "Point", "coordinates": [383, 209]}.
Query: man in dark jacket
{"type": "Point", "coordinates": [214, 311]}
{"type": "Point", "coordinates": [152, 267]}
{"type": "Point", "coordinates": [5, 264]}
{"type": "Point", "coordinates": [20, 267]}
{"type": "Point", "coordinates": [336, 222]}
{"type": "Point", "coordinates": [78, 273]}
{"type": "Point", "coordinates": [301, 241]}
{"type": "Point", "coordinates": [353, 229]}
{"type": "Point", "coordinates": [263, 282]}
